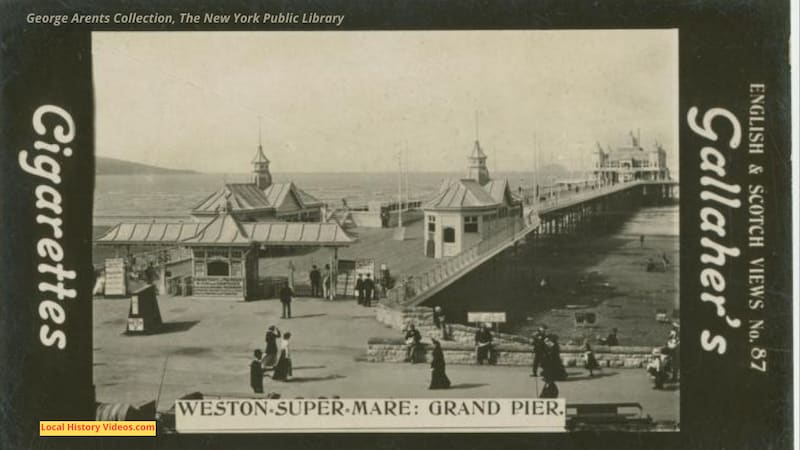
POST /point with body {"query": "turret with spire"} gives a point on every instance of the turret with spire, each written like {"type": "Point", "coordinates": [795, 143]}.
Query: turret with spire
{"type": "Point", "coordinates": [477, 160]}
{"type": "Point", "coordinates": [477, 165]}
{"type": "Point", "coordinates": [261, 176]}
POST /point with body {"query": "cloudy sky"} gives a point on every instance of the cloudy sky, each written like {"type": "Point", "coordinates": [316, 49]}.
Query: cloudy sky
{"type": "Point", "coordinates": [349, 101]}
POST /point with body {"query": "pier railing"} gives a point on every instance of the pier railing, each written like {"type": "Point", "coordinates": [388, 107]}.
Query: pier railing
{"type": "Point", "coordinates": [410, 290]}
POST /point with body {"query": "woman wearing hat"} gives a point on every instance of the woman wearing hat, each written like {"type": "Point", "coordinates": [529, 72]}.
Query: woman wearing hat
{"type": "Point", "coordinates": [439, 378]}
{"type": "Point", "coordinates": [271, 351]}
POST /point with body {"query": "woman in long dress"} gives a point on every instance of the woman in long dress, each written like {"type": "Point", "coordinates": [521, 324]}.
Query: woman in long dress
{"type": "Point", "coordinates": [283, 370]}
{"type": "Point", "coordinates": [439, 378]}
{"type": "Point", "coordinates": [553, 368]}
{"type": "Point", "coordinates": [271, 351]}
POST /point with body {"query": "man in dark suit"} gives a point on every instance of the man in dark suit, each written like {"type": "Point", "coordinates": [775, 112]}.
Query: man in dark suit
{"type": "Point", "coordinates": [369, 290]}
{"type": "Point", "coordinates": [256, 373]}
{"type": "Point", "coordinates": [286, 302]}
{"type": "Point", "coordinates": [538, 349]}
{"type": "Point", "coordinates": [316, 281]}
{"type": "Point", "coordinates": [360, 289]}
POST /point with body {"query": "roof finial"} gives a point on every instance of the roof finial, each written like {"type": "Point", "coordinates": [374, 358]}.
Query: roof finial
{"type": "Point", "coordinates": [259, 131]}
{"type": "Point", "coordinates": [477, 129]}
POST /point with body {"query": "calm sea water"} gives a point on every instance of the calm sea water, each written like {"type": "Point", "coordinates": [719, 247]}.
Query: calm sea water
{"type": "Point", "coordinates": [134, 195]}
{"type": "Point", "coordinates": [177, 194]}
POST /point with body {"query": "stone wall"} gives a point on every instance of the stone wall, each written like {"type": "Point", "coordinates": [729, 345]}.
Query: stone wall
{"type": "Point", "coordinates": [422, 318]}
{"type": "Point", "coordinates": [218, 287]}
{"type": "Point", "coordinates": [510, 354]}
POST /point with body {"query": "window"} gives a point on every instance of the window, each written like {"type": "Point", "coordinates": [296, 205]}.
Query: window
{"type": "Point", "coordinates": [431, 223]}
{"type": "Point", "coordinates": [470, 224]}
{"type": "Point", "coordinates": [449, 235]}
{"type": "Point", "coordinates": [218, 269]}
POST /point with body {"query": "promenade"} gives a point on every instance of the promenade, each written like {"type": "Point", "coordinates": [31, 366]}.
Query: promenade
{"type": "Point", "coordinates": [207, 344]}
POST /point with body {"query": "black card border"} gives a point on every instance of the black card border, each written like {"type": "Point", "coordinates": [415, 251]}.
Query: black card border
{"type": "Point", "coordinates": [724, 46]}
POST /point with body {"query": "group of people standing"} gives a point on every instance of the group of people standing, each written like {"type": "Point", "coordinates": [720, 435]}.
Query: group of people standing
{"type": "Point", "coordinates": [321, 282]}
{"type": "Point", "coordinates": [275, 357]}
{"type": "Point", "coordinates": [664, 365]}
{"type": "Point", "coordinates": [365, 289]}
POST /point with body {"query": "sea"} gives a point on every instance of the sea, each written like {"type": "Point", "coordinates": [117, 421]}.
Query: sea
{"type": "Point", "coordinates": [175, 195]}
{"type": "Point", "coordinates": [165, 195]}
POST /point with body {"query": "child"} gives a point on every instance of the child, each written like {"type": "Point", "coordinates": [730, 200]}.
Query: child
{"type": "Point", "coordinates": [591, 361]}
{"type": "Point", "coordinates": [256, 373]}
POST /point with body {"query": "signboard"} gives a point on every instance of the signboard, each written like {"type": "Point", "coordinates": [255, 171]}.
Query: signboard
{"type": "Point", "coordinates": [348, 272]}
{"type": "Point", "coordinates": [486, 317]}
{"type": "Point", "coordinates": [116, 282]}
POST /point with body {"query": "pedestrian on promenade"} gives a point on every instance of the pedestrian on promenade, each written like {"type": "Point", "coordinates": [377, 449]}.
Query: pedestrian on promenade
{"type": "Point", "coordinates": [591, 363]}
{"type": "Point", "coordinates": [439, 378]}
{"type": "Point", "coordinates": [549, 390]}
{"type": "Point", "coordinates": [360, 289]}
{"type": "Point", "coordinates": [552, 367]}
{"type": "Point", "coordinates": [327, 278]}
{"type": "Point", "coordinates": [283, 370]}
{"type": "Point", "coordinates": [538, 349]}
{"type": "Point", "coordinates": [673, 353]}
{"type": "Point", "coordinates": [611, 340]}
{"type": "Point", "coordinates": [483, 345]}
{"type": "Point", "coordinates": [369, 290]}
{"type": "Point", "coordinates": [256, 374]}
{"type": "Point", "coordinates": [641, 241]}
{"type": "Point", "coordinates": [271, 351]}
{"type": "Point", "coordinates": [657, 368]}
{"type": "Point", "coordinates": [316, 281]}
{"type": "Point", "coordinates": [413, 339]}
{"type": "Point", "coordinates": [286, 302]}
{"type": "Point", "coordinates": [440, 322]}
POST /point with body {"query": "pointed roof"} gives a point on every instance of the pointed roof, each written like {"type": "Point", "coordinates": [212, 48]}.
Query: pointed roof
{"type": "Point", "coordinates": [477, 151]}
{"type": "Point", "coordinates": [500, 191]}
{"type": "Point", "coordinates": [461, 194]}
{"type": "Point", "coordinates": [223, 230]}
{"type": "Point", "coordinates": [236, 196]}
{"type": "Point", "coordinates": [260, 157]}
{"type": "Point", "coordinates": [226, 230]}
{"type": "Point", "coordinates": [277, 193]}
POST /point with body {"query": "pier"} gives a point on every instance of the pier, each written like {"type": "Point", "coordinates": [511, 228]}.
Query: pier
{"type": "Point", "coordinates": [561, 211]}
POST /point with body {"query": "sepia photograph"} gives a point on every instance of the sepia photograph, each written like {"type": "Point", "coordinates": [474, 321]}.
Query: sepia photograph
{"type": "Point", "coordinates": [455, 215]}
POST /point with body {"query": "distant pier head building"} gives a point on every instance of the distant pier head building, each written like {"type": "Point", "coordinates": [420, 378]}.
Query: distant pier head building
{"type": "Point", "coordinates": [261, 200]}
{"type": "Point", "coordinates": [633, 163]}
{"type": "Point", "coordinates": [468, 210]}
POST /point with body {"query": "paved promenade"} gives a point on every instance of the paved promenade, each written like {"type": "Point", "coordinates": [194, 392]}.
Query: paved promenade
{"type": "Point", "coordinates": [208, 343]}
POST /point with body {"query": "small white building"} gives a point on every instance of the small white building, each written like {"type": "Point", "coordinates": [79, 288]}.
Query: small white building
{"type": "Point", "coordinates": [467, 210]}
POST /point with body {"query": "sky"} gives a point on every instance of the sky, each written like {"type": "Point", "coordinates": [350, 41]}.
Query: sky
{"type": "Point", "coordinates": [351, 101]}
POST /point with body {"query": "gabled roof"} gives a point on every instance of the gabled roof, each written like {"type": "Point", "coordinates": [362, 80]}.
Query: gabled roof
{"type": "Point", "coordinates": [461, 194]}
{"type": "Point", "coordinates": [499, 191]}
{"type": "Point", "coordinates": [276, 195]}
{"type": "Point", "coordinates": [223, 230]}
{"type": "Point", "coordinates": [237, 196]}
{"type": "Point", "coordinates": [148, 233]}
{"type": "Point", "coordinates": [226, 230]}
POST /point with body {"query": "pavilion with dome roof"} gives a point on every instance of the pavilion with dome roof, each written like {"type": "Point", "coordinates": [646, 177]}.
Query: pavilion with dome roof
{"type": "Point", "coordinates": [467, 210]}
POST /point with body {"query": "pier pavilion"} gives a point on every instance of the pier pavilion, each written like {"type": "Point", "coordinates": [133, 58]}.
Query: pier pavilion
{"type": "Point", "coordinates": [633, 163]}
{"type": "Point", "coordinates": [224, 253]}
{"type": "Point", "coordinates": [261, 199]}
{"type": "Point", "coordinates": [468, 210]}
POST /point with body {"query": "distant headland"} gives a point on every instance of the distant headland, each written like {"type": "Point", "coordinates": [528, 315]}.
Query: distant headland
{"type": "Point", "coordinates": [113, 166]}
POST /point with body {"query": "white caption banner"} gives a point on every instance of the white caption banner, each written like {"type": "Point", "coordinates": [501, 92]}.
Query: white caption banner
{"type": "Point", "coordinates": [369, 415]}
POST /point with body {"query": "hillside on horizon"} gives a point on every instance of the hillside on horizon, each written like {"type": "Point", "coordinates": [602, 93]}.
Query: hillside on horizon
{"type": "Point", "coordinates": [112, 166]}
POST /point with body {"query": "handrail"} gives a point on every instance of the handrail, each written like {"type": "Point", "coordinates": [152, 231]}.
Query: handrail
{"type": "Point", "coordinates": [407, 291]}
